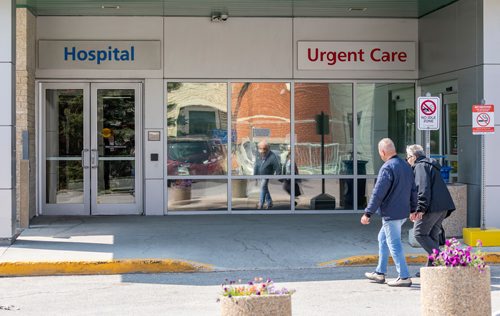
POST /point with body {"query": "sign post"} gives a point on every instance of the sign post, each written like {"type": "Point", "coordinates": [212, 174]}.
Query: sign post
{"type": "Point", "coordinates": [428, 109]}
{"type": "Point", "coordinates": [483, 123]}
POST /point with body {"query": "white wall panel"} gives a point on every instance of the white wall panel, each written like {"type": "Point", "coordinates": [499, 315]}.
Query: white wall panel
{"type": "Point", "coordinates": [153, 203]}
{"type": "Point", "coordinates": [6, 93]}
{"type": "Point", "coordinates": [491, 9]}
{"type": "Point", "coordinates": [491, 213]}
{"type": "Point", "coordinates": [99, 28]}
{"type": "Point", "coordinates": [354, 29]}
{"type": "Point", "coordinates": [6, 27]}
{"type": "Point", "coordinates": [7, 217]}
{"type": "Point", "coordinates": [6, 157]}
{"type": "Point", "coordinates": [154, 103]}
{"type": "Point", "coordinates": [238, 48]}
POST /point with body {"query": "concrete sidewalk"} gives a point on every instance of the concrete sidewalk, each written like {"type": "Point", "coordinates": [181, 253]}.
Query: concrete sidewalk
{"type": "Point", "coordinates": [218, 242]}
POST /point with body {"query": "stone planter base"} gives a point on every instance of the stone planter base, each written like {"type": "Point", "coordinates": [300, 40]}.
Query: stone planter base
{"type": "Point", "coordinates": [178, 194]}
{"type": "Point", "coordinates": [270, 305]}
{"type": "Point", "coordinates": [455, 291]}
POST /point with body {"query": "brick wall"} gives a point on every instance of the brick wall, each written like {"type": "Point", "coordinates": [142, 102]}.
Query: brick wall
{"type": "Point", "coordinates": [25, 98]}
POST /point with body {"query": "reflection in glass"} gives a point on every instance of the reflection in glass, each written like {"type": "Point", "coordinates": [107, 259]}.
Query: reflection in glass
{"type": "Point", "coordinates": [116, 146]}
{"type": "Point", "coordinates": [310, 188]}
{"type": "Point", "coordinates": [197, 128]}
{"type": "Point", "coordinates": [64, 145]}
{"type": "Point", "coordinates": [260, 111]}
{"type": "Point", "coordinates": [246, 194]}
{"type": "Point", "coordinates": [335, 100]}
{"type": "Point", "coordinates": [197, 195]}
{"type": "Point", "coordinates": [365, 193]}
{"type": "Point", "coordinates": [384, 110]}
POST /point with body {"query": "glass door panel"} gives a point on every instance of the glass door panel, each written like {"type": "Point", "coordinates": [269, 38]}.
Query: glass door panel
{"type": "Point", "coordinates": [114, 153]}
{"type": "Point", "coordinates": [65, 150]}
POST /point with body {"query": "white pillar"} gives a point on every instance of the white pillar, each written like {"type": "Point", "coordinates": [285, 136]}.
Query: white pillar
{"type": "Point", "coordinates": [491, 93]}
{"type": "Point", "coordinates": [7, 121]}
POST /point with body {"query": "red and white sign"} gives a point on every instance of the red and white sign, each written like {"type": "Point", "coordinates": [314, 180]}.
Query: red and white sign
{"type": "Point", "coordinates": [483, 119]}
{"type": "Point", "coordinates": [356, 55]}
{"type": "Point", "coordinates": [428, 109]}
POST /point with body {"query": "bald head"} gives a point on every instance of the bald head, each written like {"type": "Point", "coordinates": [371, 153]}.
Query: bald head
{"type": "Point", "coordinates": [263, 148]}
{"type": "Point", "coordinates": [386, 149]}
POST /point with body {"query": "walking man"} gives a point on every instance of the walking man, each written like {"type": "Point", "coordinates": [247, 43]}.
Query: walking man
{"type": "Point", "coordinates": [434, 202]}
{"type": "Point", "coordinates": [267, 163]}
{"type": "Point", "coordinates": [393, 197]}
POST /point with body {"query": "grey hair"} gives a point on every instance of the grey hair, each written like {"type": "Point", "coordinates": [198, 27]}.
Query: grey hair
{"type": "Point", "coordinates": [415, 150]}
{"type": "Point", "coordinates": [387, 145]}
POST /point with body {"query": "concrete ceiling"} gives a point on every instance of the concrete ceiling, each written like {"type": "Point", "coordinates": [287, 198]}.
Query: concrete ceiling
{"type": "Point", "coordinates": [237, 8]}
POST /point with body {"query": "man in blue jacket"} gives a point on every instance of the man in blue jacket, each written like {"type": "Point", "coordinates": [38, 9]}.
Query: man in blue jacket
{"type": "Point", "coordinates": [393, 197]}
{"type": "Point", "coordinates": [266, 163]}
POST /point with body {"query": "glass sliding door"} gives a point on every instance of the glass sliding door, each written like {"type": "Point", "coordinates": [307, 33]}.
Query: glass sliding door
{"type": "Point", "coordinates": [91, 148]}
{"type": "Point", "coordinates": [115, 153]}
{"type": "Point", "coordinates": [65, 147]}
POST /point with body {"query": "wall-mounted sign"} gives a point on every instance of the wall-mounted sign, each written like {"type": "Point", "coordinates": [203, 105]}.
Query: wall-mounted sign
{"type": "Point", "coordinates": [105, 55]}
{"type": "Point", "coordinates": [428, 110]}
{"type": "Point", "coordinates": [483, 119]}
{"type": "Point", "coordinates": [356, 55]}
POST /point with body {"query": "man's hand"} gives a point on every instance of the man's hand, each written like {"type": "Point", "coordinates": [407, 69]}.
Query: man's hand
{"type": "Point", "coordinates": [416, 216]}
{"type": "Point", "coordinates": [365, 220]}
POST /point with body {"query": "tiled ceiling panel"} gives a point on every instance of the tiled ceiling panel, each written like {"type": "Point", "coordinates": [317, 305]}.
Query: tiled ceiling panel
{"type": "Point", "coordinates": [239, 8]}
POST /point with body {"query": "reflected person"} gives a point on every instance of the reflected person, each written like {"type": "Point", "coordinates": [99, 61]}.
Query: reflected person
{"type": "Point", "coordinates": [266, 163]}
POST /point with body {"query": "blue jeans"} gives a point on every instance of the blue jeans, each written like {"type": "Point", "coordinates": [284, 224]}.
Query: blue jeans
{"type": "Point", "coordinates": [389, 240]}
{"type": "Point", "coordinates": [265, 196]}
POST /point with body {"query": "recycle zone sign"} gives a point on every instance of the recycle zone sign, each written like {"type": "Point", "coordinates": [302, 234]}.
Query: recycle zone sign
{"type": "Point", "coordinates": [428, 109]}
{"type": "Point", "coordinates": [483, 119]}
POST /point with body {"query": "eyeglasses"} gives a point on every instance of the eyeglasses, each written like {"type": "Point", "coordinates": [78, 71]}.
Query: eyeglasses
{"type": "Point", "coordinates": [408, 157]}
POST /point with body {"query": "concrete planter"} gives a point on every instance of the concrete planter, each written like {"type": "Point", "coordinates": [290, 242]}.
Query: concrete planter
{"type": "Point", "coordinates": [269, 305]}
{"type": "Point", "coordinates": [179, 194]}
{"type": "Point", "coordinates": [455, 291]}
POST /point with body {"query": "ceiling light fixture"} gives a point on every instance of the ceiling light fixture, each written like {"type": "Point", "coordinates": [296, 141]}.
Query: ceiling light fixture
{"type": "Point", "coordinates": [356, 9]}
{"type": "Point", "coordinates": [110, 6]}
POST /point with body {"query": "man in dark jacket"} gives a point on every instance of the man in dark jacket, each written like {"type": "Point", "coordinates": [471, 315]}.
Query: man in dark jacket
{"type": "Point", "coordinates": [393, 197]}
{"type": "Point", "coordinates": [267, 163]}
{"type": "Point", "coordinates": [434, 199]}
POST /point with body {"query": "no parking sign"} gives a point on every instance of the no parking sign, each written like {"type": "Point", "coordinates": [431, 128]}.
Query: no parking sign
{"type": "Point", "coordinates": [428, 109]}
{"type": "Point", "coordinates": [483, 119]}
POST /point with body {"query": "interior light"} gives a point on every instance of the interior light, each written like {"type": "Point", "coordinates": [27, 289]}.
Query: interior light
{"type": "Point", "coordinates": [356, 9]}
{"type": "Point", "coordinates": [110, 6]}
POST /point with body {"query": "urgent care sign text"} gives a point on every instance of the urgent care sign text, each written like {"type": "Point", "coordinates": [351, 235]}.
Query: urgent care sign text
{"type": "Point", "coordinates": [356, 55]}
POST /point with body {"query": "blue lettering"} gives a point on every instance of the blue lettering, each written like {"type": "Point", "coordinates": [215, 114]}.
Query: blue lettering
{"type": "Point", "coordinates": [67, 53]}
{"type": "Point", "coordinates": [101, 56]}
{"type": "Point", "coordinates": [82, 55]}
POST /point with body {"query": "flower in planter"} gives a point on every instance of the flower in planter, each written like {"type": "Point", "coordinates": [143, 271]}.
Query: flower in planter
{"type": "Point", "coordinates": [257, 287]}
{"type": "Point", "coordinates": [182, 184]}
{"type": "Point", "coordinates": [454, 255]}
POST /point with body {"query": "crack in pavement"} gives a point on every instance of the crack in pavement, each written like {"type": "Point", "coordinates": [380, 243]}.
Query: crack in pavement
{"type": "Point", "coordinates": [255, 248]}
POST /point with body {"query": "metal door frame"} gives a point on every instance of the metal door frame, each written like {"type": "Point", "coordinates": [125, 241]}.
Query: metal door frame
{"type": "Point", "coordinates": [86, 208]}
{"type": "Point", "coordinates": [117, 209]}
{"type": "Point", "coordinates": [64, 209]}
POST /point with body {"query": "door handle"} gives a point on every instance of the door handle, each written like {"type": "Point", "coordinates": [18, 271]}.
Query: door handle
{"type": "Point", "coordinates": [94, 154]}
{"type": "Point", "coordinates": [84, 165]}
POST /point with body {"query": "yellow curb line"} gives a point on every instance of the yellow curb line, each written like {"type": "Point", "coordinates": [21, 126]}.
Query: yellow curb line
{"type": "Point", "coordinates": [490, 258]}
{"type": "Point", "coordinates": [45, 268]}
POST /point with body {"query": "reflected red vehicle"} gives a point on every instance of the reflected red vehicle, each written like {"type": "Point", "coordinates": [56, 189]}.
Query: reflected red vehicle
{"type": "Point", "coordinates": [195, 156]}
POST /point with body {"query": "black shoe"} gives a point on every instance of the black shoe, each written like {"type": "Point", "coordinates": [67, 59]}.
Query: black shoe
{"type": "Point", "coordinates": [417, 275]}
